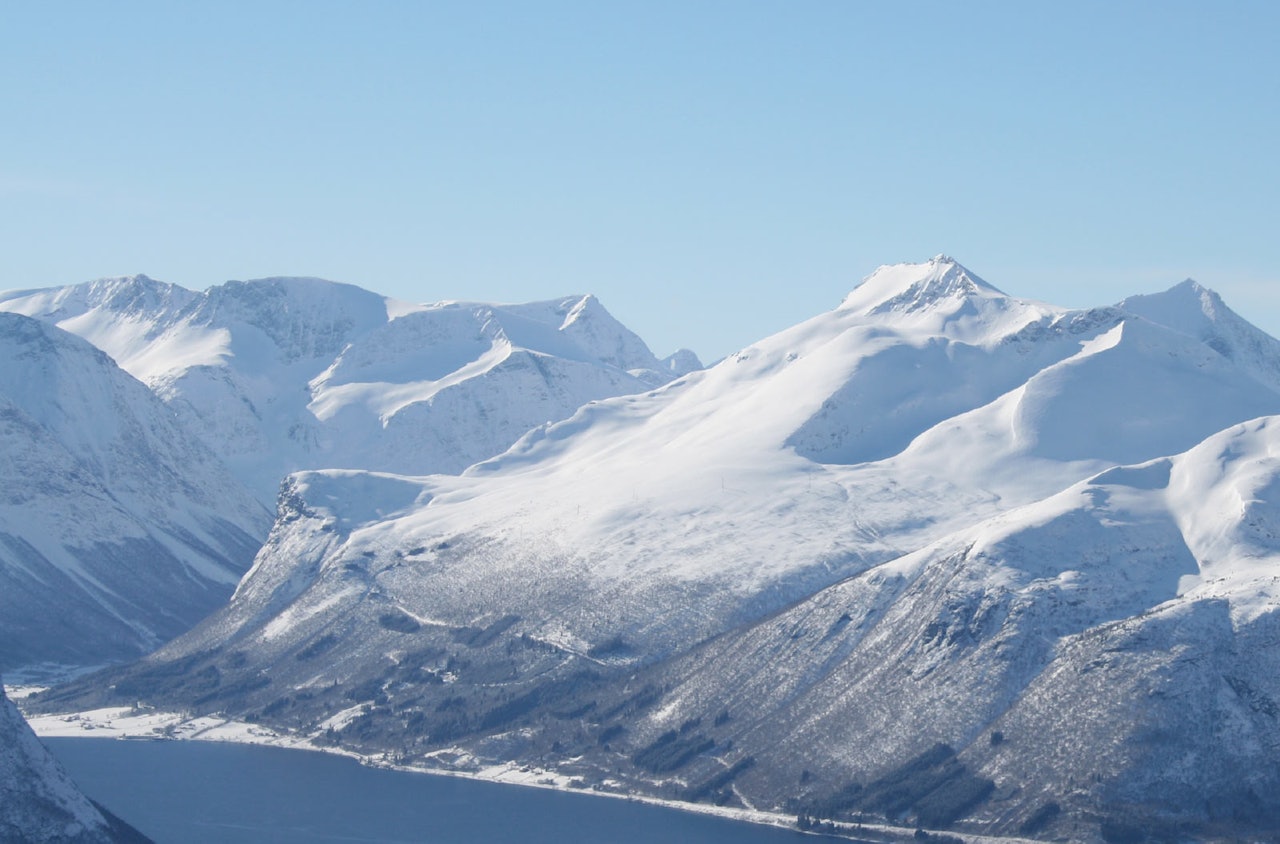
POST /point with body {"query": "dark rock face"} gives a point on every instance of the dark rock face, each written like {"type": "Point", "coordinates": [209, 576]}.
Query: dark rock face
{"type": "Point", "coordinates": [39, 802]}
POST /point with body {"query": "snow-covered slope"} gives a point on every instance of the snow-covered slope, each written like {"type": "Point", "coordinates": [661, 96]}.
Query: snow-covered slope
{"type": "Point", "coordinates": [285, 374]}
{"type": "Point", "coordinates": [1200, 313]}
{"type": "Point", "coordinates": [1108, 650]}
{"type": "Point", "coordinates": [118, 529]}
{"type": "Point", "coordinates": [933, 514]}
{"type": "Point", "coordinates": [38, 801]}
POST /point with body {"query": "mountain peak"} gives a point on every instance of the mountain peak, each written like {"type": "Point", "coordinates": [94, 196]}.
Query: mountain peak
{"type": "Point", "coordinates": [1188, 307]}
{"type": "Point", "coordinates": [116, 280]}
{"type": "Point", "coordinates": [1188, 290]}
{"type": "Point", "coordinates": [681, 362]}
{"type": "Point", "coordinates": [128, 295]}
{"type": "Point", "coordinates": [907, 288]}
{"type": "Point", "coordinates": [138, 281]}
{"type": "Point", "coordinates": [1197, 311]}
{"type": "Point", "coordinates": [580, 305]}
{"type": "Point", "coordinates": [590, 324]}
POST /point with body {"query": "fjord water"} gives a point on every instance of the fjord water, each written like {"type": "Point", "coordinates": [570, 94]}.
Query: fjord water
{"type": "Point", "coordinates": [178, 791]}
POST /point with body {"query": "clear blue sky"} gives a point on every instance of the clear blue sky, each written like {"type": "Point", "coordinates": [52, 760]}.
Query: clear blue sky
{"type": "Point", "coordinates": [714, 171]}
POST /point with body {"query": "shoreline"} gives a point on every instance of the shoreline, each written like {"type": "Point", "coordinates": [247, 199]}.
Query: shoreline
{"type": "Point", "coordinates": [128, 724]}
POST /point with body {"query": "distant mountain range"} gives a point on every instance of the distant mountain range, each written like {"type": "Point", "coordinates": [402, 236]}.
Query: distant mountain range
{"type": "Point", "coordinates": [123, 527]}
{"type": "Point", "coordinates": [940, 556]}
{"type": "Point", "coordinates": [282, 374]}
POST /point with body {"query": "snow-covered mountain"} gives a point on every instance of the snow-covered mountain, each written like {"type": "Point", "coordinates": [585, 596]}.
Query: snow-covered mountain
{"type": "Point", "coordinates": [284, 374]}
{"type": "Point", "coordinates": [118, 529]}
{"type": "Point", "coordinates": [940, 554]}
{"type": "Point", "coordinates": [39, 802]}
{"type": "Point", "coordinates": [1108, 651]}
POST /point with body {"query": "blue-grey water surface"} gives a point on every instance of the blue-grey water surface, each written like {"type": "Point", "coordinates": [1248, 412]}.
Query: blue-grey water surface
{"type": "Point", "coordinates": [186, 792]}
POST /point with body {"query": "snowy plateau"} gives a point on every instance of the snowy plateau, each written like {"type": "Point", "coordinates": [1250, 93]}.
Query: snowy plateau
{"type": "Point", "coordinates": [939, 557]}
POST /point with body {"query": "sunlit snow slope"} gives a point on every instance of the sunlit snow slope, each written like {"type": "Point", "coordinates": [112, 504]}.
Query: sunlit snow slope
{"type": "Point", "coordinates": [926, 401]}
